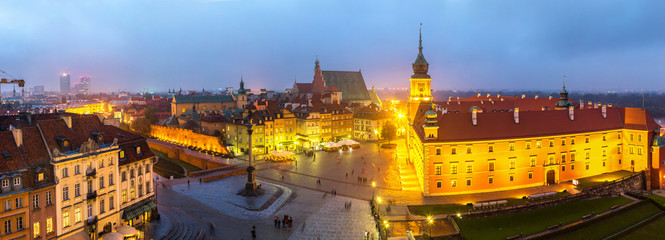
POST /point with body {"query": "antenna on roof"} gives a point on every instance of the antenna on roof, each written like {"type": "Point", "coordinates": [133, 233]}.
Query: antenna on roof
{"type": "Point", "coordinates": [642, 98]}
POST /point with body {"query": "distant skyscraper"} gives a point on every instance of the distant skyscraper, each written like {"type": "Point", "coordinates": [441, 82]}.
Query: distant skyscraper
{"type": "Point", "coordinates": [38, 89]}
{"type": "Point", "coordinates": [85, 85]}
{"type": "Point", "coordinates": [64, 83]}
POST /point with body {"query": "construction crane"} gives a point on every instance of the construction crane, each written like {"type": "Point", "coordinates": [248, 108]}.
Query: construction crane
{"type": "Point", "coordinates": [20, 82]}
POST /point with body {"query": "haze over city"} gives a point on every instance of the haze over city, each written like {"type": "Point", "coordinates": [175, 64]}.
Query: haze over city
{"type": "Point", "coordinates": [128, 45]}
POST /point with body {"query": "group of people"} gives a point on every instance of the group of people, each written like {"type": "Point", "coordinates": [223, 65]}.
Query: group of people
{"type": "Point", "coordinates": [347, 205]}
{"type": "Point", "coordinates": [287, 220]}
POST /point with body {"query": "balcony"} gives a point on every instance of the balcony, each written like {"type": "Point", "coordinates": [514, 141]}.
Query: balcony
{"type": "Point", "coordinates": [92, 195]}
{"type": "Point", "coordinates": [91, 172]}
{"type": "Point", "coordinates": [91, 221]}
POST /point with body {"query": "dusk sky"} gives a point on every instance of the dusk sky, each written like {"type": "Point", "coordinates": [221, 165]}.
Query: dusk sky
{"type": "Point", "coordinates": [194, 44]}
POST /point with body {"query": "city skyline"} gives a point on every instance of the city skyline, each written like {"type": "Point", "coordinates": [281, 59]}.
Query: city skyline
{"type": "Point", "coordinates": [470, 46]}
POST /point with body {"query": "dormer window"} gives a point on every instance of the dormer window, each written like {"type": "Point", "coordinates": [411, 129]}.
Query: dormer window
{"type": "Point", "coordinates": [40, 177]}
{"type": "Point", "coordinates": [5, 183]}
{"type": "Point", "coordinates": [17, 181]}
{"type": "Point", "coordinates": [7, 155]}
{"type": "Point", "coordinates": [122, 155]}
{"type": "Point", "coordinates": [63, 142]}
{"type": "Point", "coordinates": [138, 151]}
{"type": "Point", "coordinates": [97, 137]}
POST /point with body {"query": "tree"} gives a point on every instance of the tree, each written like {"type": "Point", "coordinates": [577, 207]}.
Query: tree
{"type": "Point", "coordinates": [149, 113]}
{"type": "Point", "coordinates": [141, 125]}
{"type": "Point", "coordinates": [389, 131]}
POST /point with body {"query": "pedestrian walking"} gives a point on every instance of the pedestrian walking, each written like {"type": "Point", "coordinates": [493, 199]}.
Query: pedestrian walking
{"type": "Point", "coordinates": [253, 232]}
{"type": "Point", "coordinates": [347, 175]}
{"type": "Point", "coordinates": [188, 182]}
{"type": "Point", "coordinates": [352, 171]}
{"type": "Point", "coordinates": [212, 229]}
{"type": "Point", "coordinates": [282, 177]}
{"type": "Point", "coordinates": [276, 220]}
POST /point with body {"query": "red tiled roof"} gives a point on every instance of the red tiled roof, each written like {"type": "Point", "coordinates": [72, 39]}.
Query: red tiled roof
{"type": "Point", "coordinates": [501, 125]}
{"type": "Point", "coordinates": [333, 89]}
{"type": "Point", "coordinates": [33, 146]}
{"type": "Point", "coordinates": [9, 147]}
{"type": "Point", "coordinates": [304, 87]}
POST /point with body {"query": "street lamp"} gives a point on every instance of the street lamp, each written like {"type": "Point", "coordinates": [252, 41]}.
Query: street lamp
{"type": "Point", "coordinates": [430, 222]}
{"type": "Point", "coordinates": [373, 187]}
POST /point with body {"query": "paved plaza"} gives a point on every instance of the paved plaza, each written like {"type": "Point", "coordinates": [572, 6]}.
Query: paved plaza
{"type": "Point", "coordinates": [295, 191]}
{"type": "Point", "coordinates": [221, 195]}
{"type": "Point", "coordinates": [333, 221]}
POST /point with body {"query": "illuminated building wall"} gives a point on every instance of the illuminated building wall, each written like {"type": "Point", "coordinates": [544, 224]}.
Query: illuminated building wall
{"type": "Point", "coordinates": [187, 137]}
{"type": "Point", "coordinates": [495, 164]}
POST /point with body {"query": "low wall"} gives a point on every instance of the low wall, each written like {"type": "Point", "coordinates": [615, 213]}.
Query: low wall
{"type": "Point", "coordinates": [176, 152]}
{"type": "Point", "coordinates": [202, 172]}
{"type": "Point", "coordinates": [228, 174]}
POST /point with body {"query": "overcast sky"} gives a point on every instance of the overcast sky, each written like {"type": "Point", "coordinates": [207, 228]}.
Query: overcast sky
{"type": "Point", "coordinates": [194, 44]}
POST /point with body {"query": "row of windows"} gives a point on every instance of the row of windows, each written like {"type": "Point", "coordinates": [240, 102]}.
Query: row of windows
{"type": "Point", "coordinates": [551, 159]}
{"type": "Point", "coordinates": [100, 164]}
{"type": "Point", "coordinates": [36, 201]}
{"type": "Point", "coordinates": [78, 215]}
{"type": "Point", "coordinates": [36, 229]}
{"type": "Point", "coordinates": [511, 145]}
{"type": "Point", "coordinates": [587, 166]}
{"type": "Point", "coordinates": [18, 203]}
{"type": "Point", "coordinates": [77, 187]}
{"type": "Point", "coordinates": [9, 224]}
{"type": "Point", "coordinates": [16, 180]}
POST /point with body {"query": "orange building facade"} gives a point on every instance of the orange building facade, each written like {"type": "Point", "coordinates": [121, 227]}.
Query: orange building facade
{"type": "Point", "coordinates": [472, 152]}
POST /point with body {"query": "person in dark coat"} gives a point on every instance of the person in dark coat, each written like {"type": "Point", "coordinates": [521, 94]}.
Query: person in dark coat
{"type": "Point", "coordinates": [253, 232]}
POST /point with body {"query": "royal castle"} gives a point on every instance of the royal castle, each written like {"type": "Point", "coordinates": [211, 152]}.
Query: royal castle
{"type": "Point", "coordinates": [482, 144]}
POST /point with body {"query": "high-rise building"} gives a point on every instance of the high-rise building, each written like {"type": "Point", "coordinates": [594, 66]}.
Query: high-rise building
{"type": "Point", "coordinates": [85, 85]}
{"type": "Point", "coordinates": [38, 89]}
{"type": "Point", "coordinates": [64, 83]}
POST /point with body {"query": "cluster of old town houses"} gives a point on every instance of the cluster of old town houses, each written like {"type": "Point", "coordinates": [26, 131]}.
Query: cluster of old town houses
{"type": "Point", "coordinates": [66, 175]}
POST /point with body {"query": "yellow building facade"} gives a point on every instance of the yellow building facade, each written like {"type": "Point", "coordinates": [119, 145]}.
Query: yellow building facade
{"type": "Point", "coordinates": [472, 152]}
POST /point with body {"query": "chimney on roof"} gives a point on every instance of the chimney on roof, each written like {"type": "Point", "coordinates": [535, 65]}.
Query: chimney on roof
{"type": "Point", "coordinates": [535, 97]}
{"type": "Point", "coordinates": [598, 105]}
{"type": "Point", "coordinates": [609, 105]}
{"type": "Point", "coordinates": [516, 115]}
{"type": "Point", "coordinates": [498, 95]}
{"type": "Point", "coordinates": [68, 120]}
{"type": "Point", "coordinates": [488, 94]}
{"type": "Point", "coordinates": [581, 104]}
{"type": "Point", "coordinates": [18, 136]}
{"type": "Point", "coordinates": [458, 98]}
{"type": "Point", "coordinates": [590, 103]}
{"type": "Point", "coordinates": [450, 98]}
{"type": "Point", "coordinates": [444, 111]}
{"type": "Point", "coordinates": [478, 94]}
{"type": "Point", "coordinates": [550, 97]}
{"type": "Point", "coordinates": [604, 111]}
{"type": "Point", "coordinates": [481, 101]}
{"type": "Point", "coordinates": [544, 108]}
{"type": "Point", "coordinates": [523, 95]}
{"type": "Point", "coordinates": [571, 113]}
{"type": "Point", "coordinates": [502, 99]}
{"type": "Point", "coordinates": [474, 117]}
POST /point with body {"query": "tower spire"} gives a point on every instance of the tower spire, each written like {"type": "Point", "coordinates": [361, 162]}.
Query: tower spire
{"type": "Point", "coordinates": [420, 37]}
{"type": "Point", "coordinates": [564, 81]}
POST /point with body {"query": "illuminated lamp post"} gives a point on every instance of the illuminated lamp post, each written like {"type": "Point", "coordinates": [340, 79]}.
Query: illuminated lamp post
{"type": "Point", "coordinates": [430, 221]}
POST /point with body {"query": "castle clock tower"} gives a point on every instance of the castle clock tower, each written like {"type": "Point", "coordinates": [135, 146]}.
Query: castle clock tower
{"type": "Point", "coordinates": [421, 82]}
